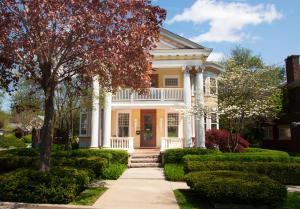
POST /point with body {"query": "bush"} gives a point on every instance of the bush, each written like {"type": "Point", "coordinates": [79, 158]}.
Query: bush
{"type": "Point", "coordinates": [96, 164]}
{"type": "Point", "coordinates": [60, 185]}
{"type": "Point", "coordinates": [268, 156]}
{"type": "Point", "coordinates": [286, 173]}
{"type": "Point", "coordinates": [9, 140]}
{"type": "Point", "coordinates": [221, 139]}
{"type": "Point", "coordinates": [27, 138]}
{"type": "Point", "coordinates": [28, 152]}
{"type": "Point", "coordinates": [113, 171]}
{"type": "Point", "coordinates": [11, 163]}
{"type": "Point", "coordinates": [174, 172]}
{"type": "Point", "coordinates": [236, 187]}
{"type": "Point", "coordinates": [176, 155]}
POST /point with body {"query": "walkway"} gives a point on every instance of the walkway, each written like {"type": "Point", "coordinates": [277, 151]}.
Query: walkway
{"type": "Point", "coordinates": [140, 188]}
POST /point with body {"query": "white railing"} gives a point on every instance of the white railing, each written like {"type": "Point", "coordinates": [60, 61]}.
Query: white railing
{"type": "Point", "coordinates": [155, 94]}
{"type": "Point", "coordinates": [170, 143]}
{"type": "Point", "coordinates": [124, 143]}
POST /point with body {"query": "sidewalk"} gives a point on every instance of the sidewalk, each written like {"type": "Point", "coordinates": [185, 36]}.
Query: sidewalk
{"type": "Point", "coordinates": [140, 188]}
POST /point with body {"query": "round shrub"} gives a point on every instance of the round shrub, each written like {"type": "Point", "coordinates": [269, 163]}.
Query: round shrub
{"type": "Point", "coordinates": [236, 187]}
{"type": "Point", "coordinates": [113, 171]}
{"type": "Point", "coordinates": [60, 185]}
{"type": "Point", "coordinates": [11, 163]}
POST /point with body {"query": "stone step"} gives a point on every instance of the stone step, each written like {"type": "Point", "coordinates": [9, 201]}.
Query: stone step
{"type": "Point", "coordinates": [145, 156]}
{"type": "Point", "coordinates": [145, 160]}
{"type": "Point", "coordinates": [144, 165]}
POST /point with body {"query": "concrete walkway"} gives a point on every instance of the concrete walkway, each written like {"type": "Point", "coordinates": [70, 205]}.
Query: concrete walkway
{"type": "Point", "coordinates": [140, 188]}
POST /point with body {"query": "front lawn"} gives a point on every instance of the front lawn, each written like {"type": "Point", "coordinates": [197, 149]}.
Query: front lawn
{"type": "Point", "coordinates": [187, 199]}
{"type": "Point", "coordinates": [89, 196]}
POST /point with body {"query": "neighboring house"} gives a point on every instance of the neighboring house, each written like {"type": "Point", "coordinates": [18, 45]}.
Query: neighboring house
{"type": "Point", "coordinates": [284, 134]}
{"type": "Point", "coordinates": [36, 122]}
{"type": "Point", "coordinates": [181, 77]}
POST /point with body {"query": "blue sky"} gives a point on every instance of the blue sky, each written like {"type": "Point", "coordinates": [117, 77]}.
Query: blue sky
{"type": "Point", "coordinates": [270, 28]}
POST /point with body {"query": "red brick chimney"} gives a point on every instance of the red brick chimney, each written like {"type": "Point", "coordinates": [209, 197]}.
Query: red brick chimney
{"type": "Point", "coordinates": [292, 68]}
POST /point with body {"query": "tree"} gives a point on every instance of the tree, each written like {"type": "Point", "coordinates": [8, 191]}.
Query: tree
{"type": "Point", "coordinates": [248, 91]}
{"type": "Point", "coordinates": [50, 42]}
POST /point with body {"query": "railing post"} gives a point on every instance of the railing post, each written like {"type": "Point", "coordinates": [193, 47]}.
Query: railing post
{"type": "Point", "coordinates": [163, 144]}
{"type": "Point", "coordinates": [130, 143]}
{"type": "Point", "coordinates": [162, 94]}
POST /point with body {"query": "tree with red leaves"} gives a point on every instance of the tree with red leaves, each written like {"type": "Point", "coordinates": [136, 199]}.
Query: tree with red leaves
{"type": "Point", "coordinates": [53, 41]}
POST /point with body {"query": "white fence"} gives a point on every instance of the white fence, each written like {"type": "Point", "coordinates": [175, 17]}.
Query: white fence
{"type": "Point", "coordinates": [170, 143]}
{"type": "Point", "coordinates": [155, 94]}
{"type": "Point", "coordinates": [124, 143]}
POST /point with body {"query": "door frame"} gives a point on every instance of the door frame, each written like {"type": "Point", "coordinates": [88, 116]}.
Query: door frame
{"type": "Point", "coordinates": [153, 142]}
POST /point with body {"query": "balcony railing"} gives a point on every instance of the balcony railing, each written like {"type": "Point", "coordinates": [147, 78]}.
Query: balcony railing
{"type": "Point", "coordinates": [123, 143]}
{"type": "Point", "coordinates": [155, 94]}
{"type": "Point", "coordinates": [171, 143]}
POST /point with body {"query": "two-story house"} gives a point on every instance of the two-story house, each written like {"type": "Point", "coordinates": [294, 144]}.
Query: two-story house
{"type": "Point", "coordinates": [181, 77]}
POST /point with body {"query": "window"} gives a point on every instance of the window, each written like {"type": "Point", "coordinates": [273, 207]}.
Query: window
{"type": "Point", "coordinates": [268, 132]}
{"type": "Point", "coordinates": [171, 81]}
{"type": "Point", "coordinates": [173, 124]}
{"type": "Point", "coordinates": [214, 120]}
{"type": "Point", "coordinates": [83, 122]}
{"type": "Point", "coordinates": [206, 85]}
{"type": "Point", "coordinates": [213, 86]}
{"type": "Point", "coordinates": [284, 133]}
{"type": "Point", "coordinates": [123, 124]}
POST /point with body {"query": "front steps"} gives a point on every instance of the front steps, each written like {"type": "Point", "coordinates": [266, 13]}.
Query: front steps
{"type": "Point", "coordinates": [145, 159]}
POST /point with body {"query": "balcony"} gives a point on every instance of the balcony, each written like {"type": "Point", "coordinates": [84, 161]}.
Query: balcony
{"type": "Point", "coordinates": [155, 94]}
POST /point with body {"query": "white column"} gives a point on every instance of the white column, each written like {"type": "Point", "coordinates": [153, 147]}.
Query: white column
{"type": "Point", "coordinates": [188, 104]}
{"type": "Point", "coordinates": [107, 121]}
{"type": "Point", "coordinates": [95, 114]}
{"type": "Point", "coordinates": [199, 120]}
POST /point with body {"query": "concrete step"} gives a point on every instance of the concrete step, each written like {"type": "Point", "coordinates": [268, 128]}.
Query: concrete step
{"type": "Point", "coordinates": [145, 160]}
{"type": "Point", "coordinates": [145, 156]}
{"type": "Point", "coordinates": [144, 165]}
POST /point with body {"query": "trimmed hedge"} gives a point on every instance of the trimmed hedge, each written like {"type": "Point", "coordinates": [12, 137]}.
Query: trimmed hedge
{"type": "Point", "coordinates": [174, 172]}
{"type": "Point", "coordinates": [276, 156]}
{"type": "Point", "coordinates": [60, 185]}
{"type": "Point", "coordinates": [176, 155]}
{"type": "Point", "coordinates": [236, 187]}
{"type": "Point", "coordinates": [11, 163]}
{"type": "Point", "coordinates": [113, 171]}
{"type": "Point", "coordinates": [286, 173]}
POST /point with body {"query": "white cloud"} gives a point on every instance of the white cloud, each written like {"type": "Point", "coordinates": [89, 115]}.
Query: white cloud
{"type": "Point", "coordinates": [216, 56]}
{"type": "Point", "coordinates": [226, 19]}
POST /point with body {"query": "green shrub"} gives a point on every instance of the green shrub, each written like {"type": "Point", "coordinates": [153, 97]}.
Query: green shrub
{"type": "Point", "coordinates": [27, 152]}
{"type": "Point", "coordinates": [176, 155]}
{"type": "Point", "coordinates": [236, 187]}
{"type": "Point", "coordinates": [60, 185]}
{"type": "Point", "coordinates": [11, 163]}
{"type": "Point", "coordinates": [8, 141]}
{"type": "Point", "coordinates": [295, 159]}
{"type": "Point", "coordinates": [286, 173]}
{"type": "Point", "coordinates": [96, 164]}
{"type": "Point", "coordinates": [242, 157]}
{"type": "Point", "coordinates": [174, 172]}
{"type": "Point", "coordinates": [113, 171]}
{"type": "Point", "coordinates": [27, 138]}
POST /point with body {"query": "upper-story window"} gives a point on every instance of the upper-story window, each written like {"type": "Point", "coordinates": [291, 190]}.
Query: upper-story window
{"type": "Point", "coordinates": [171, 81]}
{"type": "Point", "coordinates": [83, 122]}
{"type": "Point", "coordinates": [210, 86]}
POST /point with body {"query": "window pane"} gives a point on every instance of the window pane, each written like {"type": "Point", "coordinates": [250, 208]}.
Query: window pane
{"type": "Point", "coordinates": [83, 122]}
{"type": "Point", "coordinates": [173, 131]}
{"type": "Point", "coordinates": [123, 131]}
{"type": "Point", "coordinates": [213, 86]}
{"type": "Point", "coordinates": [123, 124]}
{"type": "Point", "coordinates": [171, 81]}
{"type": "Point", "coordinates": [173, 122]}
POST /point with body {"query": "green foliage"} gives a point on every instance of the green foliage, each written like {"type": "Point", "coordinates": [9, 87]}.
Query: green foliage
{"type": "Point", "coordinates": [113, 171]}
{"type": "Point", "coordinates": [295, 159]}
{"type": "Point", "coordinates": [293, 201]}
{"type": "Point", "coordinates": [236, 187]}
{"type": "Point", "coordinates": [268, 156]}
{"type": "Point", "coordinates": [189, 199]}
{"type": "Point", "coordinates": [10, 163]}
{"type": "Point", "coordinates": [88, 196]}
{"type": "Point", "coordinates": [27, 138]}
{"type": "Point", "coordinates": [9, 141]}
{"type": "Point", "coordinates": [25, 152]}
{"type": "Point", "coordinates": [176, 155]}
{"type": "Point", "coordinates": [285, 173]}
{"type": "Point", "coordinates": [60, 185]}
{"type": "Point", "coordinates": [174, 172]}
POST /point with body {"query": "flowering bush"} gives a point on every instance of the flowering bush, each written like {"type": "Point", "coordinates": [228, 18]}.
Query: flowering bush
{"type": "Point", "coordinates": [224, 141]}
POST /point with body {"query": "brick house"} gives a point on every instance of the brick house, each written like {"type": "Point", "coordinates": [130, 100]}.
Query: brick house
{"type": "Point", "coordinates": [284, 133]}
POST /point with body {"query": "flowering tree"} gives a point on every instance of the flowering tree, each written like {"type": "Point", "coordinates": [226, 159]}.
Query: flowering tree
{"type": "Point", "coordinates": [53, 41]}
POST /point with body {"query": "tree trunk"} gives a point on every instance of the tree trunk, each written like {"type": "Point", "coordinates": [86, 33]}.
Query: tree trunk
{"type": "Point", "coordinates": [47, 130]}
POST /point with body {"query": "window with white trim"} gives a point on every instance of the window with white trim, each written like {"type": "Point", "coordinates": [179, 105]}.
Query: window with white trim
{"type": "Point", "coordinates": [213, 86]}
{"type": "Point", "coordinates": [214, 120]}
{"type": "Point", "coordinates": [173, 124]}
{"type": "Point", "coordinates": [123, 124]}
{"type": "Point", "coordinates": [206, 85]}
{"type": "Point", "coordinates": [83, 122]}
{"type": "Point", "coordinates": [268, 132]}
{"type": "Point", "coordinates": [171, 81]}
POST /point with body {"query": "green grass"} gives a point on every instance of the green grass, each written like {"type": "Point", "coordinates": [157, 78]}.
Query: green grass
{"type": "Point", "coordinates": [174, 172]}
{"type": "Point", "coordinates": [10, 140]}
{"type": "Point", "coordinates": [89, 196]}
{"type": "Point", "coordinates": [188, 200]}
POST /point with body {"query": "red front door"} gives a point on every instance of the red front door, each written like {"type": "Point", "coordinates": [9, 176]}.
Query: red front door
{"type": "Point", "coordinates": [148, 128]}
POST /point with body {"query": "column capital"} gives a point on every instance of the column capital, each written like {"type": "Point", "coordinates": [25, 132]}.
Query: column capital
{"type": "Point", "coordinates": [200, 68]}
{"type": "Point", "coordinates": [186, 68]}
